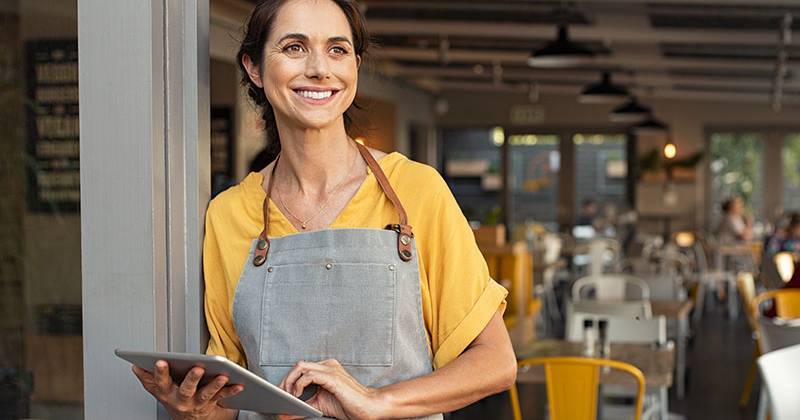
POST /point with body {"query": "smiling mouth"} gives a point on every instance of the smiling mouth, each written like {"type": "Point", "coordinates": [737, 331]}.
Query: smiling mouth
{"type": "Point", "coordinates": [318, 95]}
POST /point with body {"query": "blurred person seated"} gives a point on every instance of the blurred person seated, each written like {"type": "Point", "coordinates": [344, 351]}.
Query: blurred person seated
{"type": "Point", "coordinates": [588, 213]}
{"type": "Point", "coordinates": [786, 239]}
{"type": "Point", "coordinates": [734, 226]}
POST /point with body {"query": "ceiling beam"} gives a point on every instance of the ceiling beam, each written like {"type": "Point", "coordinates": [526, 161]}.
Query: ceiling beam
{"type": "Point", "coordinates": [627, 61]}
{"type": "Point", "coordinates": [621, 33]}
{"type": "Point", "coordinates": [565, 90]}
{"type": "Point", "coordinates": [581, 77]}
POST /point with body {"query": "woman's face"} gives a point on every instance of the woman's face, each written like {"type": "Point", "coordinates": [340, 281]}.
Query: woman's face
{"type": "Point", "coordinates": [310, 70]}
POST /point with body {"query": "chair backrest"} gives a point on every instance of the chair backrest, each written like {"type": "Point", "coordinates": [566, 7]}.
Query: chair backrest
{"type": "Point", "coordinates": [640, 309]}
{"type": "Point", "coordinates": [611, 287]}
{"type": "Point", "coordinates": [747, 291]}
{"type": "Point", "coordinates": [625, 329]}
{"type": "Point", "coordinates": [776, 335]}
{"type": "Point", "coordinates": [779, 371]}
{"type": "Point", "coordinates": [665, 287]}
{"type": "Point", "coordinates": [770, 277]}
{"type": "Point", "coordinates": [572, 386]}
{"type": "Point", "coordinates": [787, 302]}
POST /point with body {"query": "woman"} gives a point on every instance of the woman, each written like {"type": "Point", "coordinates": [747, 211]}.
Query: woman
{"type": "Point", "coordinates": [735, 226]}
{"type": "Point", "coordinates": [337, 290]}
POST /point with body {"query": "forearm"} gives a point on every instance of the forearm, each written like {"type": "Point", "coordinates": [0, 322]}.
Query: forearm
{"type": "Point", "coordinates": [483, 369]}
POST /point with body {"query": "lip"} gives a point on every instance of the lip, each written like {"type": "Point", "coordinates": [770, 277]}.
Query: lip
{"type": "Point", "coordinates": [313, 101]}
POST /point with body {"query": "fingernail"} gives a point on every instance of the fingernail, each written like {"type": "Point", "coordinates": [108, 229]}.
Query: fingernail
{"type": "Point", "coordinates": [161, 364]}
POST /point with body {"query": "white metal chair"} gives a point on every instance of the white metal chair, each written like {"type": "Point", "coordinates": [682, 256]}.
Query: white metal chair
{"type": "Point", "coordinates": [610, 287]}
{"type": "Point", "coordinates": [665, 287]}
{"type": "Point", "coordinates": [620, 328]}
{"type": "Point", "coordinates": [779, 371]}
{"type": "Point", "coordinates": [627, 329]}
{"type": "Point", "coordinates": [637, 309]}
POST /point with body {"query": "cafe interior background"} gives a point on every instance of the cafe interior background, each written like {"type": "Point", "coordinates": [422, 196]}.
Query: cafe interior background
{"type": "Point", "coordinates": [663, 110]}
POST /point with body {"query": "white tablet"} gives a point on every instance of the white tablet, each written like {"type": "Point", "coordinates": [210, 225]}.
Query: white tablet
{"type": "Point", "coordinates": [258, 395]}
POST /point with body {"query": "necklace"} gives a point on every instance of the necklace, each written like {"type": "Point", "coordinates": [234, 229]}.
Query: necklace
{"type": "Point", "coordinates": [304, 223]}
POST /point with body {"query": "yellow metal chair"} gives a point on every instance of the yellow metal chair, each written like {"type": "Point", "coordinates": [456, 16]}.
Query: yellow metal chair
{"type": "Point", "coordinates": [787, 302]}
{"type": "Point", "coordinates": [572, 386]}
{"type": "Point", "coordinates": [747, 291]}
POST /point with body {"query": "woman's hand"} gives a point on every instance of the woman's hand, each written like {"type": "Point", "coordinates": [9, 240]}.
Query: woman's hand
{"type": "Point", "coordinates": [185, 401]}
{"type": "Point", "coordinates": [339, 395]}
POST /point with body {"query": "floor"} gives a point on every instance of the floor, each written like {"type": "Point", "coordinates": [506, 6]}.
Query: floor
{"type": "Point", "coordinates": [719, 357]}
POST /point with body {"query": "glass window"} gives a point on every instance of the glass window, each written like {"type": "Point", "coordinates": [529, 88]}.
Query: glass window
{"type": "Point", "coordinates": [791, 172]}
{"type": "Point", "coordinates": [41, 371]}
{"type": "Point", "coordinates": [736, 170]}
{"type": "Point", "coordinates": [535, 162]}
{"type": "Point", "coordinates": [471, 166]}
{"type": "Point", "coordinates": [600, 171]}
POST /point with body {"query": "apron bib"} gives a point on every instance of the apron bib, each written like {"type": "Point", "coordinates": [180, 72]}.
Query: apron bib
{"type": "Point", "coordinates": [347, 294]}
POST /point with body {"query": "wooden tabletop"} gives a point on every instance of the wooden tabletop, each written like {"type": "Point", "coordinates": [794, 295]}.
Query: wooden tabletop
{"type": "Point", "coordinates": [656, 364]}
{"type": "Point", "coordinates": [674, 309]}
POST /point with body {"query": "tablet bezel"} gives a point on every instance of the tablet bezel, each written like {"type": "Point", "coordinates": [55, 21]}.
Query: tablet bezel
{"type": "Point", "coordinates": [258, 394]}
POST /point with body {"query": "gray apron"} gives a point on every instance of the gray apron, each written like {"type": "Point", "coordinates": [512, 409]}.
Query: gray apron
{"type": "Point", "coordinates": [347, 294]}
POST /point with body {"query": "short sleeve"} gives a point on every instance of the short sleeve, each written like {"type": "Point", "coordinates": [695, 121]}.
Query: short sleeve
{"type": "Point", "coordinates": [462, 296]}
{"type": "Point", "coordinates": [223, 340]}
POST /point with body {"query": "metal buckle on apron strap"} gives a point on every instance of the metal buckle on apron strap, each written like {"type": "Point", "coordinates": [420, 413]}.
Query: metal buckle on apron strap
{"type": "Point", "coordinates": [260, 254]}
{"type": "Point", "coordinates": [404, 236]}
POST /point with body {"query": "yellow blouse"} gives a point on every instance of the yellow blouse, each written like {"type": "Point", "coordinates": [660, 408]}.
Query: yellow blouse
{"type": "Point", "coordinates": [458, 296]}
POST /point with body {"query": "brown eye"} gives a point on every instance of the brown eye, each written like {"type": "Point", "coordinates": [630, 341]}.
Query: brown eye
{"type": "Point", "coordinates": [293, 48]}
{"type": "Point", "coordinates": [339, 50]}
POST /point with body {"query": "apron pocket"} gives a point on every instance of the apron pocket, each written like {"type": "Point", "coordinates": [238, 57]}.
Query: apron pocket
{"type": "Point", "coordinates": [324, 311]}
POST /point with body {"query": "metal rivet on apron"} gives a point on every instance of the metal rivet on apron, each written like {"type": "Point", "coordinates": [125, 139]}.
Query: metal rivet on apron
{"type": "Point", "coordinates": [328, 266]}
{"type": "Point", "coordinates": [262, 243]}
{"type": "Point", "coordinates": [406, 253]}
{"type": "Point", "coordinates": [391, 267]}
{"type": "Point", "coordinates": [405, 240]}
{"type": "Point", "coordinates": [269, 269]}
{"type": "Point", "coordinates": [258, 260]}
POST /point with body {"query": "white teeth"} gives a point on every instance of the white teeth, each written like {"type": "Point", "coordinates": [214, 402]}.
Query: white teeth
{"type": "Point", "coordinates": [315, 94]}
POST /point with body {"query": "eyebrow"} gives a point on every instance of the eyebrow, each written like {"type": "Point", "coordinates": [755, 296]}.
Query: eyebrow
{"type": "Point", "coordinates": [303, 37]}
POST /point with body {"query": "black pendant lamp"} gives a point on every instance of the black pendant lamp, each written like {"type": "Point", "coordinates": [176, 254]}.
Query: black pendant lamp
{"type": "Point", "coordinates": [651, 125]}
{"type": "Point", "coordinates": [630, 111]}
{"type": "Point", "coordinates": [561, 52]}
{"type": "Point", "coordinates": [603, 92]}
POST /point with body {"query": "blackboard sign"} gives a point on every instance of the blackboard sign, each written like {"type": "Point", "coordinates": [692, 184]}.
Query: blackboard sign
{"type": "Point", "coordinates": [221, 149]}
{"type": "Point", "coordinates": [51, 112]}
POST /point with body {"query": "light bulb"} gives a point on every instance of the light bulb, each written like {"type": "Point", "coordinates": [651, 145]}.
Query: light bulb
{"type": "Point", "coordinates": [670, 150]}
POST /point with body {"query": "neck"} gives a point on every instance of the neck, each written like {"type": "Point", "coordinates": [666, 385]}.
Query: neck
{"type": "Point", "coordinates": [314, 160]}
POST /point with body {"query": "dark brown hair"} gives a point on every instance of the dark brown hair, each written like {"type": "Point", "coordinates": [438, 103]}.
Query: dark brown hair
{"type": "Point", "coordinates": [256, 33]}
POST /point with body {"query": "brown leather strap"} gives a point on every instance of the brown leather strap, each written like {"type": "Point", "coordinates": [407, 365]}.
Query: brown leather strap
{"type": "Point", "coordinates": [404, 231]}
{"type": "Point", "coordinates": [262, 246]}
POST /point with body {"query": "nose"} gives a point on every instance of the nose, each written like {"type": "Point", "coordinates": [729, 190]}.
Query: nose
{"type": "Point", "coordinates": [317, 66]}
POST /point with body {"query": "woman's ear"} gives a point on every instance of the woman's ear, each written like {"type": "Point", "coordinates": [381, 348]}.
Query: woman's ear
{"type": "Point", "coordinates": [252, 70]}
{"type": "Point", "coordinates": [358, 61]}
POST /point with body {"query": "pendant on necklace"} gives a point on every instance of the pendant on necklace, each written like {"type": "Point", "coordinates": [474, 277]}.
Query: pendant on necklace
{"type": "Point", "coordinates": [303, 225]}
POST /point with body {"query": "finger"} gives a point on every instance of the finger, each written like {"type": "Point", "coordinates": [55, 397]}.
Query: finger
{"type": "Point", "coordinates": [227, 391]}
{"type": "Point", "coordinates": [162, 378]}
{"type": "Point", "coordinates": [207, 392]}
{"type": "Point", "coordinates": [146, 379]}
{"type": "Point", "coordinates": [189, 385]}
{"type": "Point", "coordinates": [302, 382]}
{"type": "Point", "coordinates": [291, 377]}
{"type": "Point", "coordinates": [142, 374]}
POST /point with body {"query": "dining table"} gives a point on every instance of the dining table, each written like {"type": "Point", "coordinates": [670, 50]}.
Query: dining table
{"type": "Point", "coordinates": [657, 363]}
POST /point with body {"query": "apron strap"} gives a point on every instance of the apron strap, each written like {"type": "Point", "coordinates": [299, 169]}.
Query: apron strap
{"type": "Point", "coordinates": [262, 246]}
{"type": "Point", "coordinates": [404, 231]}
